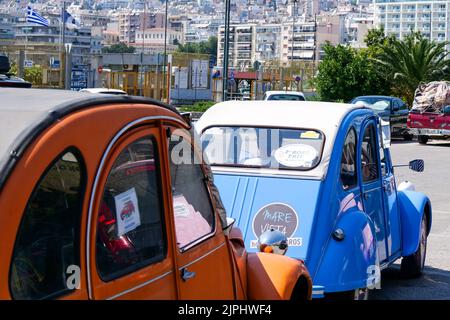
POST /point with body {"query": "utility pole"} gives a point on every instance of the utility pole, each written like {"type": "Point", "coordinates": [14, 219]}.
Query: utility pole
{"type": "Point", "coordinates": [225, 51]}
{"type": "Point", "coordinates": [165, 54]}
{"type": "Point", "coordinates": [143, 48]}
{"type": "Point", "coordinates": [293, 35]}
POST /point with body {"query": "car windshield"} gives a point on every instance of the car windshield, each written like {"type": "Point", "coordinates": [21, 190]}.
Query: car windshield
{"type": "Point", "coordinates": [377, 104]}
{"type": "Point", "coordinates": [292, 97]}
{"type": "Point", "coordinates": [276, 148]}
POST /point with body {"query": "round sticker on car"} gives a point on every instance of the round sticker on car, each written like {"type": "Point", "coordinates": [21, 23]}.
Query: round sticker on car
{"type": "Point", "coordinates": [277, 216]}
{"type": "Point", "coordinates": [296, 155]}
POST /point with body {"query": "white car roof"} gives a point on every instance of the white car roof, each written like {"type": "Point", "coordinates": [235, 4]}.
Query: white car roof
{"type": "Point", "coordinates": [102, 90]}
{"type": "Point", "coordinates": [294, 93]}
{"type": "Point", "coordinates": [322, 116]}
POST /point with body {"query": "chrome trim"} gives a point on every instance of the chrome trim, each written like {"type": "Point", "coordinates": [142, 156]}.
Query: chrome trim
{"type": "Point", "coordinates": [95, 185]}
{"type": "Point", "coordinates": [254, 172]}
{"type": "Point", "coordinates": [139, 286]}
{"type": "Point", "coordinates": [203, 256]}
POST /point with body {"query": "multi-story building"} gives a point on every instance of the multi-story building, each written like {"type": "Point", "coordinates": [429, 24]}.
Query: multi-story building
{"type": "Point", "coordinates": [129, 22]}
{"type": "Point", "coordinates": [430, 17]}
{"type": "Point", "coordinates": [6, 27]}
{"type": "Point", "coordinates": [303, 40]}
{"type": "Point", "coordinates": [241, 46]}
{"type": "Point", "coordinates": [268, 43]}
{"type": "Point", "coordinates": [33, 36]}
{"type": "Point", "coordinates": [152, 40]}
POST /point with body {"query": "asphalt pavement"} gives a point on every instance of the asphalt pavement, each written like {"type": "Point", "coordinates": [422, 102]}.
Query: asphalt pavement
{"type": "Point", "coordinates": [435, 182]}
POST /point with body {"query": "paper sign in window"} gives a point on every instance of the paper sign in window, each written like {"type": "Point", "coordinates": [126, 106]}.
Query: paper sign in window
{"type": "Point", "coordinates": [127, 211]}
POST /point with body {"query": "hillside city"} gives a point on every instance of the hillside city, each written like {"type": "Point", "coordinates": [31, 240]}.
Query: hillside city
{"type": "Point", "coordinates": [261, 34]}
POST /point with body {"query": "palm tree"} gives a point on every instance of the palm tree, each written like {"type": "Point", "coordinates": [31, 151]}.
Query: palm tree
{"type": "Point", "coordinates": [412, 61]}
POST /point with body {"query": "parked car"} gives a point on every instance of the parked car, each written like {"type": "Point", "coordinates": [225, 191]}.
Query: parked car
{"type": "Point", "coordinates": [429, 117]}
{"type": "Point", "coordinates": [284, 95]}
{"type": "Point", "coordinates": [323, 176]}
{"type": "Point", "coordinates": [93, 207]}
{"type": "Point", "coordinates": [104, 91]}
{"type": "Point", "coordinates": [9, 80]}
{"type": "Point", "coordinates": [391, 109]}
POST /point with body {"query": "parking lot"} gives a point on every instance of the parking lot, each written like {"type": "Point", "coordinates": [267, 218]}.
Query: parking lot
{"type": "Point", "coordinates": [435, 182]}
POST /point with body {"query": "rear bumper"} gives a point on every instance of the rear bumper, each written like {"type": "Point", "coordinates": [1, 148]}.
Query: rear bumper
{"type": "Point", "coordinates": [430, 132]}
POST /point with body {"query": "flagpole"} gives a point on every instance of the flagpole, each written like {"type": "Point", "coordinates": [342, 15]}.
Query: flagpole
{"type": "Point", "coordinates": [62, 48]}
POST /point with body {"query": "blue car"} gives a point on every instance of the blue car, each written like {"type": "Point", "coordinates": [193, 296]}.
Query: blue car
{"type": "Point", "coordinates": [322, 174]}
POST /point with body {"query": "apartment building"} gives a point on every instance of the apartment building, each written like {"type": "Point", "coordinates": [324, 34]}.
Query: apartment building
{"type": "Point", "coordinates": [33, 36]}
{"type": "Point", "coordinates": [304, 44]}
{"type": "Point", "coordinates": [129, 22]}
{"type": "Point", "coordinates": [241, 46]}
{"type": "Point", "coordinates": [431, 18]}
{"type": "Point", "coordinates": [267, 43]}
{"type": "Point", "coordinates": [152, 40]}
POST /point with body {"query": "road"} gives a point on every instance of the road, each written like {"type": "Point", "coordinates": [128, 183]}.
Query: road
{"type": "Point", "coordinates": [435, 182]}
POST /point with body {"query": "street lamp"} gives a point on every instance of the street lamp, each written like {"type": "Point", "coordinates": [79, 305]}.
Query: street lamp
{"type": "Point", "coordinates": [165, 50]}
{"type": "Point", "coordinates": [293, 34]}
{"type": "Point", "coordinates": [225, 50]}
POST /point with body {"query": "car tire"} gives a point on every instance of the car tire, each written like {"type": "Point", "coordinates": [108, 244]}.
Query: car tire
{"type": "Point", "coordinates": [357, 294]}
{"type": "Point", "coordinates": [407, 137]}
{"type": "Point", "coordinates": [412, 266]}
{"type": "Point", "coordinates": [422, 139]}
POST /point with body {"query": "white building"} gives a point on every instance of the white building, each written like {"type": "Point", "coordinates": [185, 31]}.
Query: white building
{"type": "Point", "coordinates": [267, 43]}
{"type": "Point", "coordinates": [431, 18]}
{"type": "Point", "coordinates": [152, 40]}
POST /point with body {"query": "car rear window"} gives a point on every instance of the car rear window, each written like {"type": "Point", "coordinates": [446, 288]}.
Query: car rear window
{"type": "Point", "coordinates": [289, 97]}
{"type": "Point", "coordinates": [276, 148]}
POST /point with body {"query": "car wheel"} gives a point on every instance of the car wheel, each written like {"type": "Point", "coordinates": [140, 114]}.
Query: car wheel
{"type": "Point", "coordinates": [407, 137]}
{"type": "Point", "coordinates": [412, 266]}
{"type": "Point", "coordinates": [422, 139]}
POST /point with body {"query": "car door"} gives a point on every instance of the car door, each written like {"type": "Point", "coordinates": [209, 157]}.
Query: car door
{"type": "Point", "coordinates": [371, 184]}
{"type": "Point", "coordinates": [131, 255]}
{"type": "Point", "coordinates": [46, 261]}
{"type": "Point", "coordinates": [393, 232]}
{"type": "Point", "coordinates": [203, 258]}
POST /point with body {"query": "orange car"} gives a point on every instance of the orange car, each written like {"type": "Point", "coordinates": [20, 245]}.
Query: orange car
{"type": "Point", "coordinates": [96, 204]}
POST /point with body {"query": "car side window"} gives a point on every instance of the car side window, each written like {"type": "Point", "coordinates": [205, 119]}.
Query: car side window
{"type": "Point", "coordinates": [348, 161]}
{"type": "Point", "coordinates": [48, 240]}
{"type": "Point", "coordinates": [194, 214]}
{"type": "Point", "coordinates": [130, 223]}
{"type": "Point", "coordinates": [369, 164]}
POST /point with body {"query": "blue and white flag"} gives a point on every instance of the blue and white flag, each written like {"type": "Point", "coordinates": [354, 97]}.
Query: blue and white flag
{"type": "Point", "coordinates": [35, 17]}
{"type": "Point", "coordinates": [70, 21]}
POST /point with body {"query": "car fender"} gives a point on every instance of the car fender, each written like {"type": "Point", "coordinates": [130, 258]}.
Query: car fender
{"type": "Point", "coordinates": [274, 277]}
{"type": "Point", "coordinates": [412, 206]}
{"type": "Point", "coordinates": [352, 262]}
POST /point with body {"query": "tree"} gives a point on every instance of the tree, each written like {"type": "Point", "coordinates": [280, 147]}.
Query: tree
{"type": "Point", "coordinates": [345, 73]}
{"type": "Point", "coordinates": [119, 48]}
{"type": "Point", "coordinates": [412, 61]}
{"type": "Point", "coordinates": [204, 47]}
{"type": "Point", "coordinates": [32, 75]}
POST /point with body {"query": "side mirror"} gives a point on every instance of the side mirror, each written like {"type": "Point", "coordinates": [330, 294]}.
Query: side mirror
{"type": "Point", "coordinates": [187, 116]}
{"type": "Point", "coordinates": [230, 223]}
{"type": "Point", "coordinates": [417, 165]}
{"type": "Point", "coordinates": [273, 241]}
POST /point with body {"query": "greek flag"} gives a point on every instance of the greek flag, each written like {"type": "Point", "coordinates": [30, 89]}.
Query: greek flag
{"type": "Point", "coordinates": [35, 17]}
{"type": "Point", "coordinates": [70, 21]}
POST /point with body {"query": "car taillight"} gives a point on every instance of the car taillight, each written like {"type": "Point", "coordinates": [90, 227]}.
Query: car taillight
{"type": "Point", "coordinates": [408, 121]}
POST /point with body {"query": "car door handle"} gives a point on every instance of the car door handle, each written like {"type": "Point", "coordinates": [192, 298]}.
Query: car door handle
{"type": "Point", "coordinates": [186, 274]}
{"type": "Point", "coordinates": [387, 186]}
{"type": "Point", "coordinates": [366, 195]}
